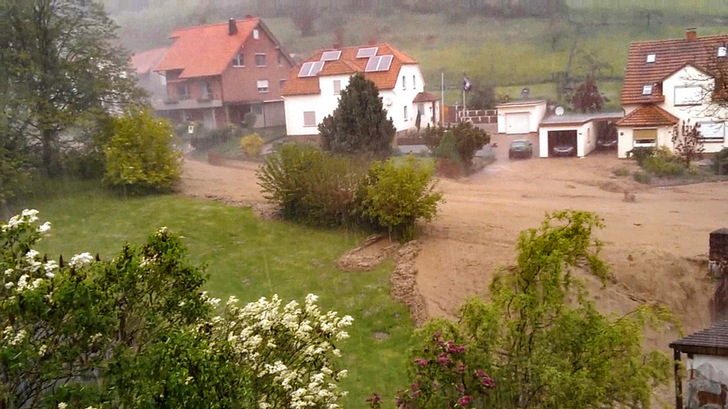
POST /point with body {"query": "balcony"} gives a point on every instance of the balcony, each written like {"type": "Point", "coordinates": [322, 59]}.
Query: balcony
{"type": "Point", "coordinates": [208, 100]}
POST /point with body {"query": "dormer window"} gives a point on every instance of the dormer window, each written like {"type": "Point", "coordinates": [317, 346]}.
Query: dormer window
{"type": "Point", "coordinates": [651, 58]}
{"type": "Point", "coordinates": [647, 90]}
{"type": "Point", "coordinates": [256, 34]}
{"type": "Point", "coordinates": [722, 51]}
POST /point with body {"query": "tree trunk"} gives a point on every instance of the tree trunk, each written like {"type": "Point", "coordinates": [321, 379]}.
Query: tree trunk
{"type": "Point", "coordinates": [48, 139]}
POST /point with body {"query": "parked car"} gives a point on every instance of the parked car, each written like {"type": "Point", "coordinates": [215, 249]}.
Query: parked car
{"type": "Point", "coordinates": [520, 148]}
{"type": "Point", "coordinates": [563, 150]}
{"type": "Point", "coordinates": [606, 143]}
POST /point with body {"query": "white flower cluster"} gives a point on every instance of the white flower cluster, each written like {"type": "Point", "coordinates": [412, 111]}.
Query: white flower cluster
{"type": "Point", "coordinates": [289, 349]}
{"type": "Point", "coordinates": [80, 260]}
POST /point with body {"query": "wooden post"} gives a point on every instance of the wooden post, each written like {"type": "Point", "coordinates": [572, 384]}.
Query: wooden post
{"type": "Point", "coordinates": [678, 380]}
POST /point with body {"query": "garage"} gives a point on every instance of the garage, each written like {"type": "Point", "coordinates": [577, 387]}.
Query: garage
{"type": "Point", "coordinates": [517, 122]}
{"type": "Point", "coordinates": [572, 134]}
{"type": "Point", "coordinates": [520, 117]}
{"type": "Point", "coordinates": [562, 143]}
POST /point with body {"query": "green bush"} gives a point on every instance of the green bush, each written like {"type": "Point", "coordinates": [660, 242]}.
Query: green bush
{"type": "Point", "coordinates": [640, 154]}
{"type": "Point", "coordinates": [252, 145]}
{"type": "Point", "coordinates": [432, 135]}
{"type": "Point", "coordinates": [663, 167]}
{"type": "Point", "coordinates": [720, 162]}
{"type": "Point", "coordinates": [396, 193]}
{"type": "Point", "coordinates": [468, 140]}
{"type": "Point", "coordinates": [249, 120]}
{"type": "Point", "coordinates": [642, 177]}
{"type": "Point", "coordinates": [310, 185]}
{"type": "Point", "coordinates": [140, 156]}
{"type": "Point", "coordinates": [204, 139]}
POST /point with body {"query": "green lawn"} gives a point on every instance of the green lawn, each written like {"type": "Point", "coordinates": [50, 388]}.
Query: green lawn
{"type": "Point", "coordinates": [248, 258]}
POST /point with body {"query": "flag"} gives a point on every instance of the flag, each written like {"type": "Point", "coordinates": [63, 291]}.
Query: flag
{"type": "Point", "coordinates": [467, 85]}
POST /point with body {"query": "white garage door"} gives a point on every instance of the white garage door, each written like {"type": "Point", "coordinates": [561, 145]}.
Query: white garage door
{"type": "Point", "coordinates": [517, 122]}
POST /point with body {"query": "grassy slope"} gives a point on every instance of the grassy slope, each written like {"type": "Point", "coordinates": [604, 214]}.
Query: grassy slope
{"type": "Point", "coordinates": [248, 258]}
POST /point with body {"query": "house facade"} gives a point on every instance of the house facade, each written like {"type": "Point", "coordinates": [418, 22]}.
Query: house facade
{"type": "Point", "coordinates": [667, 83]}
{"type": "Point", "coordinates": [313, 89]}
{"type": "Point", "coordinates": [217, 73]}
{"type": "Point", "coordinates": [153, 82]}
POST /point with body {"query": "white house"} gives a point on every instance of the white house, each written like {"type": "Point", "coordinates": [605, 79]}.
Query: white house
{"type": "Point", "coordinates": [668, 82]}
{"type": "Point", "coordinates": [580, 130]}
{"type": "Point", "coordinates": [312, 90]}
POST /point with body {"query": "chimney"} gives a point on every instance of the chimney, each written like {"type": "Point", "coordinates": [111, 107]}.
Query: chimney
{"type": "Point", "coordinates": [691, 34]}
{"type": "Point", "coordinates": [232, 27]}
{"type": "Point", "coordinates": [248, 16]}
{"type": "Point", "coordinates": [336, 45]}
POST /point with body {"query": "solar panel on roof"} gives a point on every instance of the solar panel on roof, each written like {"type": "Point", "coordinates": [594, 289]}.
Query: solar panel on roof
{"type": "Point", "coordinates": [331, 55]}
{"type": "Point", "coordinates": [311, 69]}
{"type": "Point", "coordinates": [372, 64]}
{"type": "Point", "coordinates": [385, 62]}
{"type": "Point", "coordinates": [367, 52]}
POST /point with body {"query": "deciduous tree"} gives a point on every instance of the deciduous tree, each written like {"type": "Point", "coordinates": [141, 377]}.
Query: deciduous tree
{"type": "Point", "coordinates": [359, 125]}
{"type": "Point", "coordinates": [587, 97]}
{"type": "Point", "coordinates": [687, 142]}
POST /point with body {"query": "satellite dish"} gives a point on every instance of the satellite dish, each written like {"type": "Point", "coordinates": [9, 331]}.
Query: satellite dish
{"type": "Point", "coordinates": [388, 102]}
{"type": "Point", "coordinates": [559, 111]}
{"type": "Point", "coordinates": [525, 92]}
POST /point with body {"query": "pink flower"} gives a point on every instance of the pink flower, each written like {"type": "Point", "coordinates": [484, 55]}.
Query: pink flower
{"type": "Point", "coordinates": [421, 362]}
{"type": "Point", "coordinates": [443, 359]}
{"type": "Point", "coordinates": [465, 400]}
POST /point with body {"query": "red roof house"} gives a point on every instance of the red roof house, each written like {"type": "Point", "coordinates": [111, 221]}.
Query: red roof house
{"type": "Point", "coordinates": [670, 81]}
{"type": "Point", "coordinates": [217, 73]}
{"type": "Point", "coordinates": [154, 83]}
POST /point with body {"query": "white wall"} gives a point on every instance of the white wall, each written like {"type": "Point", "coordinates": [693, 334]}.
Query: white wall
{"type": "Point", "coordinates": [586, 138]}
{"type": "Point", "coordinates": [704, 111]}
{"type": "Point", "coordinates": [625, 141]}
{"type": "Point", "coordinates": [537, 112]}
{"type": "Point", "coordinates": [324, 104]}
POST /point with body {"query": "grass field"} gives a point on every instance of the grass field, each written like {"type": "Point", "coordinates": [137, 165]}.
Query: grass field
{"type": "Point", "coordinates": [248, 258]}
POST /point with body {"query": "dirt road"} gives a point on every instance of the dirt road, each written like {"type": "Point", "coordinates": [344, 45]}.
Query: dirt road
{"type": "Point", "coordinates": [657, 245]}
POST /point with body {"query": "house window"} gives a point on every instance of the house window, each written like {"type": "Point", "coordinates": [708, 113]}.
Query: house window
{"type": "Point", "coordinates": [182, 91]}
{"type": "Point", "coordinates": [205, 91]}
{"type": "Point", "coordinates": [256, 33]}
{"type": "Point", "coordinates": [239, 60]}
{"type": "Point", "coordinates": [711, 131]}
{"type": "Point", "coordinates": [651, 58]}
{"type": "Point", "coordinates": [260, 60]}
{"type": "Point", "coordinates": [282, 83]}
{"type": "Point", "coordinates": [414, 83]}
{"type": "Point", "coordinates": [404, 82]}
{"type": "Point", "coordinates": [406, 118]}
{"type": "Point", "coordinates": [646, 89]}
{"type": "Point", "coordinates": [337, 87]}
{"type": "Point", "coordinates": [722, 51]}
{"type": "Point", "coordinates": [280, 59]}
{"type": "Point", "coordinates": [262, 86]}
{"type": "Point", "coordinates": [644, 138]}
{"type": "Point", "coordinates": [309, 118]}
{"type": "Point", "coordinates": [688, 95]}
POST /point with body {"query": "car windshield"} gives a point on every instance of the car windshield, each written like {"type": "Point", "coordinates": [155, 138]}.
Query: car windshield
{"type": "Point", "coordinates": [518, 144]}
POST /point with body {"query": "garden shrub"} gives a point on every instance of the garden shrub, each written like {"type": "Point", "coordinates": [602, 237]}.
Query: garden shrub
{"type": "Point", "coordinates": [720, 162]}
{"type": "Point", "coordinates": [204, 139]}
{"type": "Point", "coordinates": [310, 185]}
{"type": "Point", "coordinates": [661, 166]}
{"type": "Point", "coordinates": [249, 120]}
{"type": "Point", "coordinates": [468, 140]}
{"type": "Point", "coordinates": [252, 145]}
{"type": "Point", "coordinates": [396, 193]}
{"type": "Point", "coordinates": [640, 154]}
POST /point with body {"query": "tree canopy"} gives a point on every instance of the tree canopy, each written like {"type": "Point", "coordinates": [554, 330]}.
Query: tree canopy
{"type": "Point", "coordinates": [61, 65]}
{"type": "Point", "coordinates": [587, 97]}
{"type": "Point", "coordinates": [359, 125]}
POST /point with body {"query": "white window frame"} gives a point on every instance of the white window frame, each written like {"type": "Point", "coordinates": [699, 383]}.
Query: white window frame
{"type": "Point", "coordinates": [262, 86]}
{"type": "Point", "coordinates": [404, 82]}
{"type": "Point", "coordinates": [337, 87]}
{"type": "Point", "coordinates": [685, 99]}
{"type": "Point", "coordinates": [652, 144]}
{"type": "Point", "coordinates": [722, 51]}
{"type": "Point", "coordinates": [205, 90]}
{"type": "Point", "coordinates": [256, 34]}
{"type": "Point", "coordinates": [414, 81]}
{"type": "Point", "coordinates": [651, 58]}
{"type": "Point", "coordinates": [265, 60]}
{"type": "Point", "coordinates": [647, 89]}
{"type": "Point", "coordinates": [406, 117]}
{"type": "Point", "coordinates": [312, 119]}
{"type": "Point", "coordinates": [712, 138]}
{"type": "Point", "coordinates": [239, 60]}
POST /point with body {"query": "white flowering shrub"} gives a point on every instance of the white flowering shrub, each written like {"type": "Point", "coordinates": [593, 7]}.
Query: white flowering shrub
{"type": "Point", "coordinates": [137, 332]}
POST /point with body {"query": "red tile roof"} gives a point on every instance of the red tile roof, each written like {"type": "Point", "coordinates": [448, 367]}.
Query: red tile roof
{"type": "Point", "coordinates": [425, 97]}
{"type": "Point", "coordinates": [648, 115]}
{"type": "Point", "coordinates": [207, 50]}
{"type": "Point", "coordinates": [146, 61]}
{"type": "Point", "coordinates": [711, 341]}
{"type": "Point", "coordinates": [670, 56]}
{"type": "Point", "coordinates": [348, 64]}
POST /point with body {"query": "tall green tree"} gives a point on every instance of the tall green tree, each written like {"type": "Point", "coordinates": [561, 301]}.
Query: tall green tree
{"type": "Point", "coordinates": [62, 63]}
{"type": "Point", "coordinates": [359, 125]}
{"type": "Point", "coordinates": [540, 338]}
